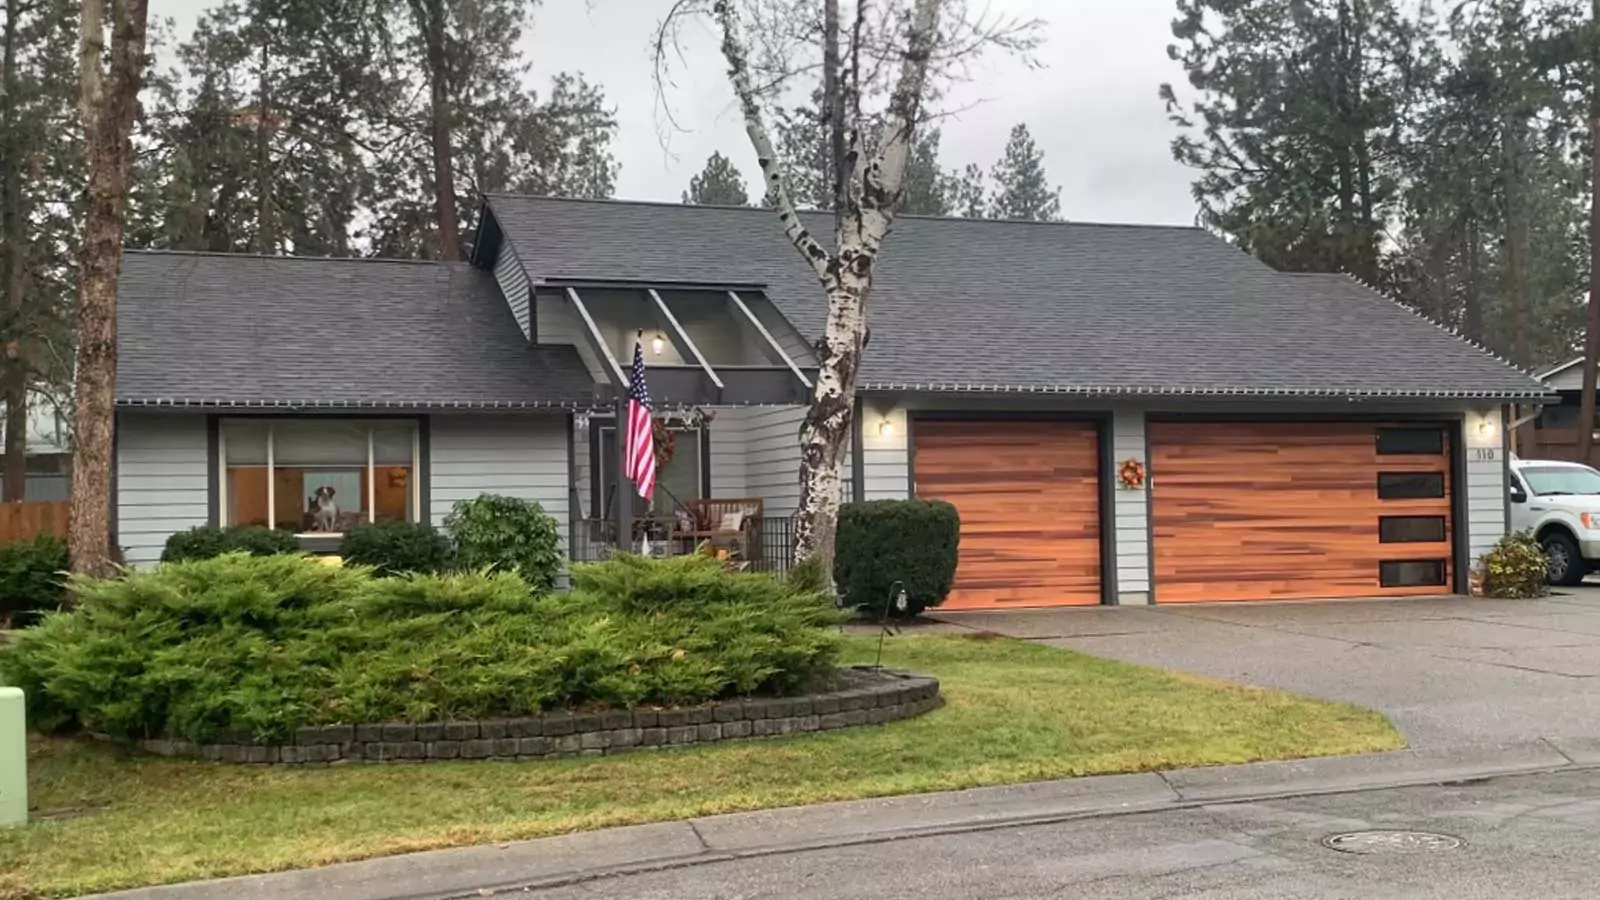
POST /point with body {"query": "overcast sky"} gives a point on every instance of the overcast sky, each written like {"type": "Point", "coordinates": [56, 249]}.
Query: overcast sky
{"type": "Point", "coordinates": [1092, 108]}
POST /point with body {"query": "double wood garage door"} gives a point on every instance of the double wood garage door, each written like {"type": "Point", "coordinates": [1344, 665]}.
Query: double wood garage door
{"type": "Point", "coordinates": [1238, 510]}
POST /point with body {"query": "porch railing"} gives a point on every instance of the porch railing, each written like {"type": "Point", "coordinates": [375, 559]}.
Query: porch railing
{"type": "Point", "coordinates": [591, 540]}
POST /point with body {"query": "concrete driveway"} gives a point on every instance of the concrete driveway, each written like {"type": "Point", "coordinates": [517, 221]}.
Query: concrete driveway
{"type": "Point", "coordinates": [1447, 671]}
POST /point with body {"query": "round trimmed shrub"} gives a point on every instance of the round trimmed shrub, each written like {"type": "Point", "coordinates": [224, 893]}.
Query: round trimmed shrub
{"type": "Point", "coordinates": [1515, 568]}
{"type": "Point", "coordinates": [493, 531]}
{"type": "Point", "coordinates": [395, 547]}
{"type": "Point", "coordinates": [880, 542]}
{"type": "Point", "coordinates": [209, 541]}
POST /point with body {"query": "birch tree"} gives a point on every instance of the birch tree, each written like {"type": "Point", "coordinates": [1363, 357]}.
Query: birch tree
{"type": "Point", "coordinates": [109, 80]}
{"type": "Point", "coordinates": [894, 52]}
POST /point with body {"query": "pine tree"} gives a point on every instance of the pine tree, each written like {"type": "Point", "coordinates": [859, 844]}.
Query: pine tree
{"type": "Point", "coordinates": [718, 184]}
{"type": "Point", "coordinates": [1293, 129]}
{"type": "Point", "coordinates": [1021, 188]}
{"type": "Point", "coordinates": [930, 191]}
{"type": "Point", "coordinates": [41, 161]}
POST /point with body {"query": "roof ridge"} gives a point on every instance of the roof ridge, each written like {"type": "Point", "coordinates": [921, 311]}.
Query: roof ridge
{"type": "Point", "coordinates": [295, 257]}
{"type": "Point", "coordinates": [614, 201]}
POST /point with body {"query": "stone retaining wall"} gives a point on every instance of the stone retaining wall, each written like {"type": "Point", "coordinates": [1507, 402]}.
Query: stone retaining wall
{"type": "Point", "coordinates": [869, 697]}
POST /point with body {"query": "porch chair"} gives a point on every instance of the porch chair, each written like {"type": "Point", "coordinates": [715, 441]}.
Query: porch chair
{"type": "Point", "coordinates": [735, 521]}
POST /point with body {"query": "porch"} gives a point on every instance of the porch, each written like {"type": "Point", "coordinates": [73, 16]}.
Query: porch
{"type": "Point", "coordinates": [730, 479]}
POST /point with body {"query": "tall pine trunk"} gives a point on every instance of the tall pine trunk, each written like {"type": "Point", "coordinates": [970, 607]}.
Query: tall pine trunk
{"type": "Point", "coordinates": [431, 22]}
{"type": "Point", "coordinates": [1516, 253]}
{"type": "Point", "coordinates": [1591, 343]}
{"type": "Point", "coordinates": [1472, 303]}
{"type": "Point", "coordinates": [109, 102]}
{"type": "Point", "coordinates": [13, 267]}
{"type": "Point", "coordinates": [266, 232]}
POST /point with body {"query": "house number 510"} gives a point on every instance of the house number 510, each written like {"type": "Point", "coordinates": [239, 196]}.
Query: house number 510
{"type": "Point", "coordinates": [1484, 454]}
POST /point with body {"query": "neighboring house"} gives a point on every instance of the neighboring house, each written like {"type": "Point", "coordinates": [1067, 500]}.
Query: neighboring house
{"type": "Point", "coordinates": [1555, 434]}
{"type": "Point", "coordinates": [1303, 436]}
{"type": "Point", "coordinates": [49, 450]}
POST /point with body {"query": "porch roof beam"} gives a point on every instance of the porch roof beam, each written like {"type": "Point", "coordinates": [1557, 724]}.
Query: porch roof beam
{"type": "Point", "coordinates": [683, 336]}
{"type": "Point", "coordinates": [619, 379]}
{"type": "Point", "coordinates": [750, 317]}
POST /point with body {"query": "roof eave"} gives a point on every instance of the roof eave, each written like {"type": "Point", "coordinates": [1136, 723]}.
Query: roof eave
{"type": "Point", "coordinates": [209, 404]}
{"type": "Point", "coordinates": [1509, 396]}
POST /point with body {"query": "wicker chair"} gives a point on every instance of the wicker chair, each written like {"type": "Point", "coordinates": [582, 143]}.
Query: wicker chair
{"type": "Point", "coordinates": [712, 518]}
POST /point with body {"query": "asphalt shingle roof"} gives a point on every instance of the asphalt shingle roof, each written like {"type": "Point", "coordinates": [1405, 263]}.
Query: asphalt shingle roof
{"type": "Point", "coordinates": [226, 330]}
{"type": "Point", "coordinates": [1017, 306]}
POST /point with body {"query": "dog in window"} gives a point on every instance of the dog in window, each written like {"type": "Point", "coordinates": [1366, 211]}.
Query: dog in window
{"type": "Point", "coordinates": [324, 512]}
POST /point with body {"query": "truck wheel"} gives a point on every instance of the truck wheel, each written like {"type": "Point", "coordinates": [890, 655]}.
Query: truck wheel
{"type": "Point", "coordinates": [1565, 566]}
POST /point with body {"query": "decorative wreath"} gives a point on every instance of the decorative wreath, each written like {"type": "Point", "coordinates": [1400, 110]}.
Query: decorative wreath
{"type": "Point", "coordinates": [1131, 474]}
{"type": "Point", "coordinates": [665, 446]}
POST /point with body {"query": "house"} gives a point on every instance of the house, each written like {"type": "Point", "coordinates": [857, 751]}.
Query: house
{"type": "Point", "coordinates": [1555, 424]}
{"type": "Point", "coordinates": [1122, 414]}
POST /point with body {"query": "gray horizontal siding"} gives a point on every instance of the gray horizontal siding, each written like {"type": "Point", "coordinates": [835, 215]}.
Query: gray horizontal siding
{"type": "Point", "coordinates": [885, 462]}
{"type": "Point", "coordinates": [1486, 483]}
{"type": "Point", "coordinates": [772, 457]}
{"type": "Point", "coordinates": [515, 455]}
{"type": "Point", "coordinates": [1131, 508]}
{"type": "Point", "coordinates": [162, 481]}
{"type": "Point", "coordinates": [514, 285]}
{"type": "Point", "coordinates": [727, 434]}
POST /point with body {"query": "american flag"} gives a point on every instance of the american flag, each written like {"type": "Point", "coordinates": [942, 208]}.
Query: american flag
{"type": "Point", "coordinates": [639, 461]}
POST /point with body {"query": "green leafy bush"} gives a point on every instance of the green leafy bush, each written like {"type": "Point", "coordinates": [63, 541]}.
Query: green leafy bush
{"type": "Point", "coordinates": [395, 547]}
{"type": "Point", "coordinates": [884, 541]}
{"type": "Point", "coordinates": [1515, 568]}
{"type": "Point", "coordinates": [209, 541]}
{"type": "Point", "coordinates": [264, 645]}
{"type": "Point", "coordinates": [506, 533]}
{"type": "Point", "coordinates": [31, 578]}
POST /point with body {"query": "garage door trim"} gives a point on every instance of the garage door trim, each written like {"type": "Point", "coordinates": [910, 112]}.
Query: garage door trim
{"type": "Point", "coordinates": [1106, 466]}
{"type": "Point", "coordinates": [1453, 425]}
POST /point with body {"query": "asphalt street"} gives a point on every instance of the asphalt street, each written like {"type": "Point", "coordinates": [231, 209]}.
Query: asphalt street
{"type": "Point", "coordinates": [1519, 837]}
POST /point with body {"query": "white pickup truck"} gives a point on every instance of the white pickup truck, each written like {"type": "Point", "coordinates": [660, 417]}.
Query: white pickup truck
{"type": "Point", "coordinates": [1560, 503]}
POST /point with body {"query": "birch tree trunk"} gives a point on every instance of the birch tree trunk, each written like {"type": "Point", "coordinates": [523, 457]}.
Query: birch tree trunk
{"type": "Point", "coordinates": [876, 184]}
{"type": "Point", "coordinates": [109, 101]}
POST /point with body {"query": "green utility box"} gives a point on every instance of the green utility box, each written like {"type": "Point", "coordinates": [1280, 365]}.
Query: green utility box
{"type": "Point", "coordinates": [13, 758]}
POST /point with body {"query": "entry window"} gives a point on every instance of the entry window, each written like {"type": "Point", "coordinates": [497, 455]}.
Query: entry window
{"type": "Point", "coordinates": [1410, 441]}
{"type": "Point", "coordinates": [1410, 485]}
{"type": "Point", "coordinates": [1411, 573]}
{"type": "Point", "coordinates": [317, 476]}
{"type": "Point", "coordinates": [678, 481]}
{"type": "Point", "coordinates": [1410, 529]}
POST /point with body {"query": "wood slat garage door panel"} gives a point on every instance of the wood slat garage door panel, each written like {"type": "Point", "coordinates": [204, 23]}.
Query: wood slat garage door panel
{"type": "Point", "coordinates": [1247, 511]}
{"type": "Point", "coordinates": [1029, 498]}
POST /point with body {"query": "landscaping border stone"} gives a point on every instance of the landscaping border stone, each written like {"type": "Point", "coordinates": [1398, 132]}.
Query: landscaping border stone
{"type": "Point", "coordinates": [866, 696]}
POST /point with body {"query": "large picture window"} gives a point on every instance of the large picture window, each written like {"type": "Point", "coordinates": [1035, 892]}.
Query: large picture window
{"type": "Point", "coordinates": [318, 476]}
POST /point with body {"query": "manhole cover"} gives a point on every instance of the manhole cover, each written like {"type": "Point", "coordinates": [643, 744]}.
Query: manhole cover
{"type": "Point", "coordinates": [1390, 842]}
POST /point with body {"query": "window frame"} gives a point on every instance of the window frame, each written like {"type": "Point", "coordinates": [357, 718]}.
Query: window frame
{"type": "Point", "coordinates": [417, 495]}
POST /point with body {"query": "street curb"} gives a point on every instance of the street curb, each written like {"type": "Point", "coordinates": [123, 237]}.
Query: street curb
{"type": "Point", "coordinates": [964, 812]}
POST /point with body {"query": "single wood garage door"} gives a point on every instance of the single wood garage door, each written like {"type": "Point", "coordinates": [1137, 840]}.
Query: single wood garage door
{"type": "Point", "coordinates": [1029, 498]}
{"type": "Point", "coordinates": [1282, 511]}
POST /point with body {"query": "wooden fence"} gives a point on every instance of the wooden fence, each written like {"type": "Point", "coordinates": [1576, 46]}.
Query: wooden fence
{"type": "Point", "coordinates": [25, 519]}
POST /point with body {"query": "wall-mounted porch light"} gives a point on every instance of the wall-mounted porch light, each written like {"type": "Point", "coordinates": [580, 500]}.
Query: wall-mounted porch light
{"type": "Point", "coordinates": [1487, 428]}
{"type": "Point", "coordinates": [658, 343]}
{"type": "Point", "coordinates": [886, 428]}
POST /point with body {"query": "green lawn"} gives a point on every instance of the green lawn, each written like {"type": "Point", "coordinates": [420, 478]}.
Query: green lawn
{"type": "Point", "coordinates": [1015, 712]}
